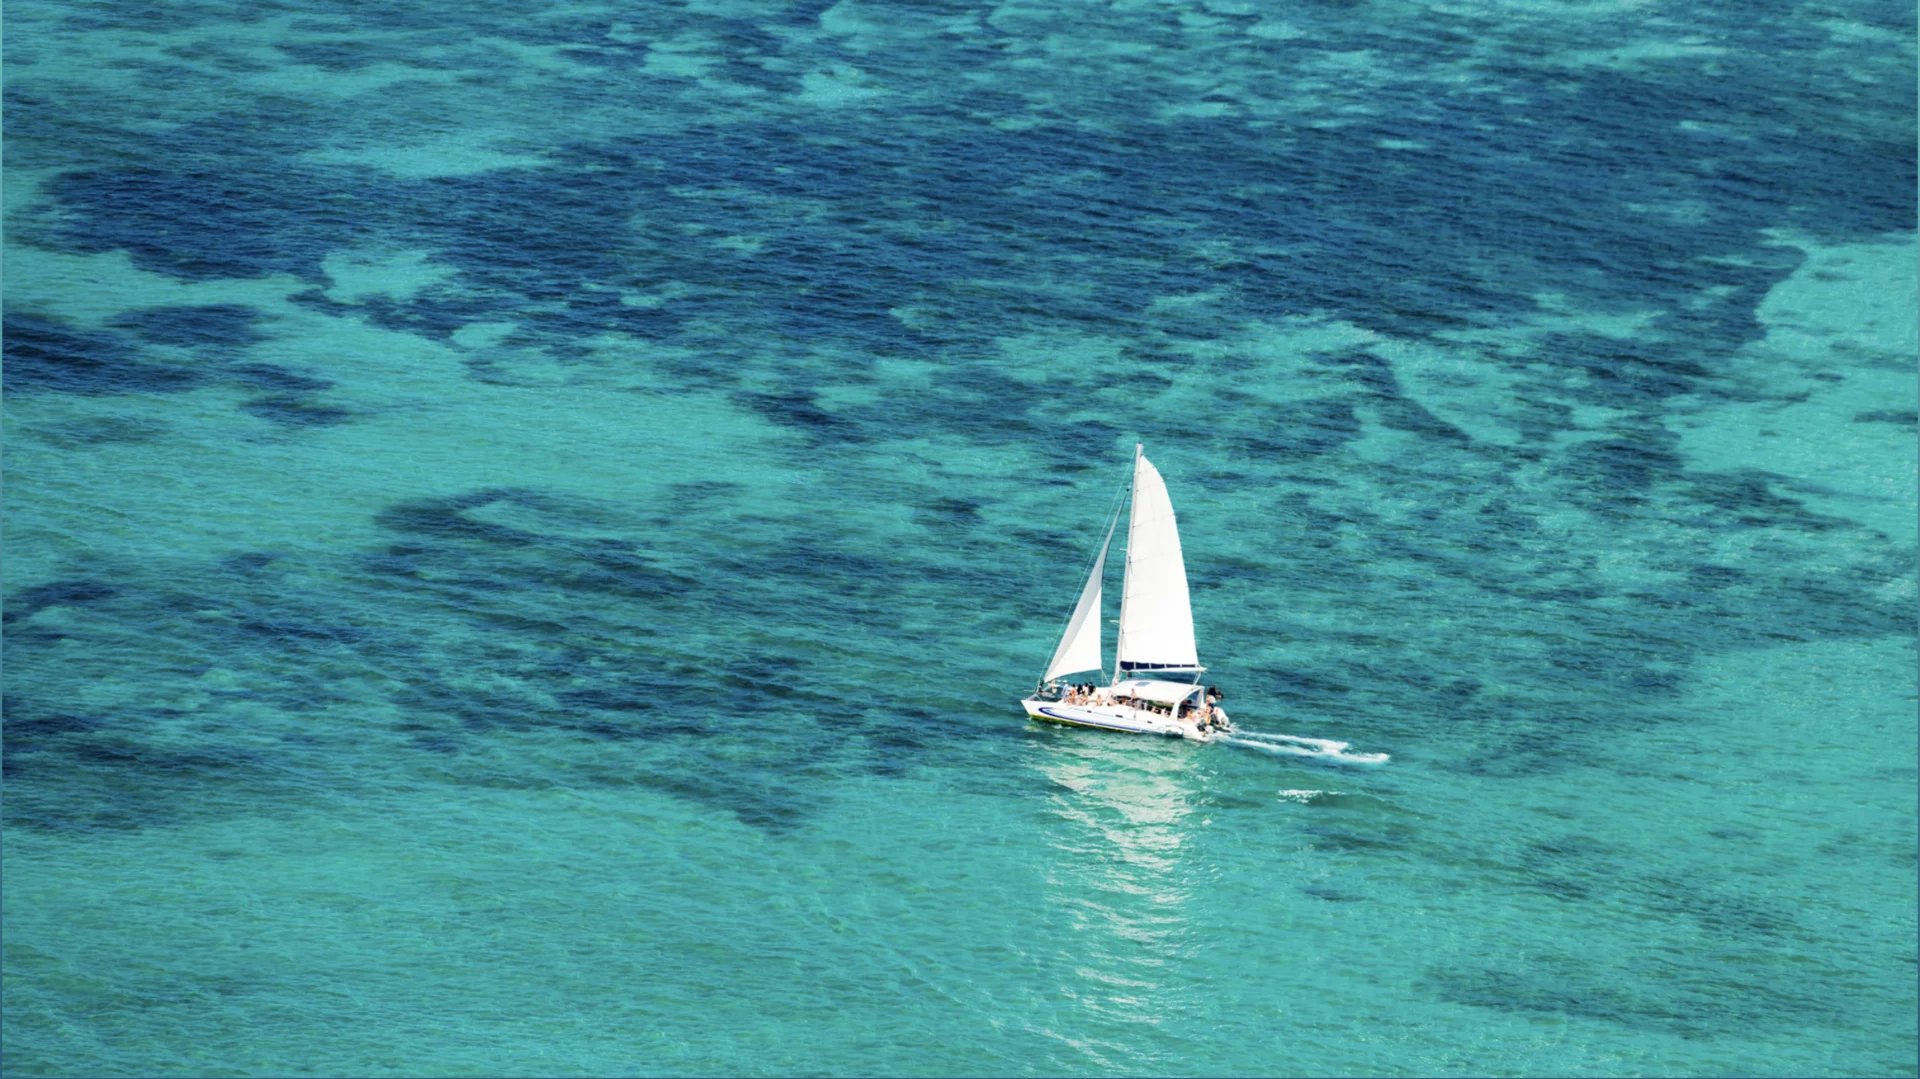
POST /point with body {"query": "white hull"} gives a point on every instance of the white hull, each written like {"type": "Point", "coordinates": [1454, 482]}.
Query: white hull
{"type": "Point", "coordinates": [1120, 717]}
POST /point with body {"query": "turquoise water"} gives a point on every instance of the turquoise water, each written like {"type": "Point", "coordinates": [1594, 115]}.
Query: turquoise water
{"type": "Point", "coordinates": [525, 533]}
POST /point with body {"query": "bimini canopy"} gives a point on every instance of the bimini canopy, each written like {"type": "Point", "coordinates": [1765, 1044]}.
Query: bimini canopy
{"type": "Point", "coordinates": [1148, 689]}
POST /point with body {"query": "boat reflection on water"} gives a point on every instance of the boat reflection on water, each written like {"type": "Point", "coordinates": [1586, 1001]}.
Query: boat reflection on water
{"type": "Point", "coordinates": [1119, 829]}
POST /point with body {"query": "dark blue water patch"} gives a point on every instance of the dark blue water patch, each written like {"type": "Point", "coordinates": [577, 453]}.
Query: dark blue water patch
{"type": "Point", "coordinates": [1813, 606]}
{"type": "Point", "coordinates": [349, 53]}
{"type": "Point", "coordinates": [649, 323]}
{"type": "Point", "coordinates": [1709, 576]}
{"type": "Point", "coordinates": [1084, 445]}
{"type": "Point", "coordinates": [475, 711]}
{"type": "Point", "coordinates": [34, 635]}
{"type": "Point", "coordinates": [42, 354]}
{"type": "Point", "coordinates": [491, 371]}
{"type": "Point", "coordinates": [225, 328]}
{"type": "Point", "coordinates": [1297, 430]}
{"type": "Point", "coordinates": [799, 409]}
{"type": "Point", "coordinates": [90, 431]}
{"type": "Point", "coordinates": [542, 235]}
{"type": "Point", "coordinates": [1738, 916]}
{"type": "Point", "coordinates": [316, 299]}
{"type": "Point", "coordinates": [204, 223]}
{"type": "Point", "coordinates": [1440, 544]}
{"type": "Point", "coordinates": [907, 734]}
{"type": "Point", "coordinates": [144, 20]}
{"type": "Point", "coordinates": [619, 697]}
{"type": "Point", "coordinates": [1342, 838]}
{"type": "Point", "coordinates": [981, 403]}
{"type": "Point", "coordinates": [1608, 668]}
{"type": "Point", "coordinates": [949, 514]}
{"type": "Point", "coordinates": [1635, 657]}
{"type": "Point", "coordinates": [28, 725]}
{"type": "Point", "coordinates": [240, 616]}
{"type": "Point", "coordinates": [438, 313]}
{"type": "Point", "coordinates": [1747, 498]}
{"type": "Point", "coordinates": [835, 281]}
{"type": "Point", "coordinates": [756, 788]}
{"type": "Point", "coordinates": [27, 602]}
{"type": "Point", "coordinates": [1640, 374]}
{"type": "Point", "coordinates": [295, 410]}
{"type": "Point", "coordinates": [1420, 688]}
{"type": "Point", "coordinates": [1484, 200]}
{"type": "Point", "coordinates": [219, 56]}
{"type": "Point", "coordinates": [405, 35]}
{"type": "Point", "coordinates": [534, 592]}
{"type": "Point", "coordinates": [1667, 998]}
{"type": "Point", "coordinates": [620, 708]}
{"type": "Point", "coordinates": [1907, 418]}
{"type": "Point", "coordinates": [1363, 369]}
{"type": "Point", "coordinates": [292, 626]}
{"type": "Point", "coordinates": [446, 518]}
{"type": "Point", "coordinates": [893, 754]}
{"type": "Point", "coordinates": [620, 573]}
{"type": "Point", "coordinates": [1521, 747]}
{"type": "Point", "coordinates": [1727, 317]}
{"type": "Point", "coordinates": [865, 580]}
{"type": "Point", "coordinates": [266, 376]}
{"type": "Point", "coordinates": [1300, 686]}
{"type": "Point", "coordinates": [697, 494]}
{"type": "Point", "coordinates": [1572, 867]}
{"type": "Point", "coordinates": [562, 329]}
{"type": "Point", "coordinates": [1574, 997]}
{"type": "Point", "coordinates": [1499, 518]}
{"type": "Point", "coordinates": [1414, 418]}
{"type": "Point", "coordinates": [513, 580]}
{"type": "Point", "coordinates": [78, 772]}
{"type": "Point", "coordinates": [34, 118]}
{"type": "Point", "coordinates": [397, 560]}
{"type": "Point", "coordinates": [441, 744]}
{"type": "Point", "coordinates": [764, 804]}
{"type": "Point", "coordinates": [101, 791]}
{"type": "Point", "coordinates": [1614, 474]}
{"type": "Point", "coordinates": [767, 678]}
{"type": "Point", "coordinates": [1822, 178]}
{"type": "Point", "coordinates": [188, 763]}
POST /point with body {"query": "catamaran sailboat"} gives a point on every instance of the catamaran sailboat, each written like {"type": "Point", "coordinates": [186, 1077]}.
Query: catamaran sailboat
{"type": "Point", "coordinates": [1156, 635]}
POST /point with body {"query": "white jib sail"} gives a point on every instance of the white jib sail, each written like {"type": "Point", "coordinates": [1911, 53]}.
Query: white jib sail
{"type": "Point", "coordinates": [1156, 617]}
{"type": "Point", "coordinates": [1080, 645]}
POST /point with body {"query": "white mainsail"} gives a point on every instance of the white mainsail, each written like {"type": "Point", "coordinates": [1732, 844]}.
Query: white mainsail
{"type": "Point", "coordinates": [1156, 616]}
{"type": "Point", "coordinates": [1080, 645]}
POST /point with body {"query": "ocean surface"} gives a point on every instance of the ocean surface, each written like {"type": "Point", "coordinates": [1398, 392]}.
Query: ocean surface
{"type": "Point", "coordinates": [526, 527]}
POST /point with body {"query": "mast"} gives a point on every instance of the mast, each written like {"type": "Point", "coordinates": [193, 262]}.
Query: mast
{"type": "Point", "coordinates": [1126, 586]}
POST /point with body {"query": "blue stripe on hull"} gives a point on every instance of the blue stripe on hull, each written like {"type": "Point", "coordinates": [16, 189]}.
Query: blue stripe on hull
{"type": "Point", "coordinates": [1048, 713]}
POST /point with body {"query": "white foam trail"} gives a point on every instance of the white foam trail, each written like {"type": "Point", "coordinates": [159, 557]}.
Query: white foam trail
{"type": "Point", "coordinates": [1326, 744]}
{"type": "Point", "coordinates": [1295, 746]}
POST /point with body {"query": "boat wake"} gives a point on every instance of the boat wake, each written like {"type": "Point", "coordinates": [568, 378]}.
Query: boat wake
{"type": "Point", "coordinates": [1325, 749]}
